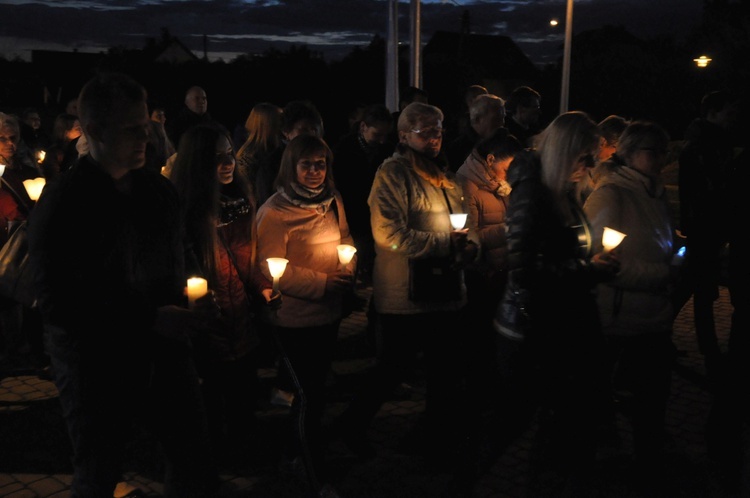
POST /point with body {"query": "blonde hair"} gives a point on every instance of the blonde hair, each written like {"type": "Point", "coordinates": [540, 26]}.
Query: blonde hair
{"type": "Point", "coordinates": [560, 146]}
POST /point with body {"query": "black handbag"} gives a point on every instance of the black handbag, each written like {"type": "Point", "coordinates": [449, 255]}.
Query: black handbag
{"type": "Point", "coordinates": [434, 279]}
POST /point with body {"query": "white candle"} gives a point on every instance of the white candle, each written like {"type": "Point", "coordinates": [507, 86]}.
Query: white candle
{"type": "Point", "coordinates": [458, 220]}
{"type": "Point", "coordinates": [276, 267]}
{"type": "Point", "coordinates": [196, 287]}
{"type": "Point", "coordinates": [34, 187]}
{"type": "Point", "coordinates": [611, 238]}
{"type": "Point", "coordinates": [346, 253]}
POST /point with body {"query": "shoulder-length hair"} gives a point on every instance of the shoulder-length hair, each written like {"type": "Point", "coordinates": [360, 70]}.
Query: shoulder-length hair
{"type": "Point", "coordinates": [299, 147]}
{"type": "Point", "coordinates": [263, 127]}
{"type": "Point", "coordinates": [195, 177]}
{"type": "Point", "coordinates": [560, 145]}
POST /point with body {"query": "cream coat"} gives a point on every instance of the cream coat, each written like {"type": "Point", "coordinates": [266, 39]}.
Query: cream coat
{"type": "Point", "coordinates": [308, 239]}
{"type": "Point", "coordinates": [638, 300]}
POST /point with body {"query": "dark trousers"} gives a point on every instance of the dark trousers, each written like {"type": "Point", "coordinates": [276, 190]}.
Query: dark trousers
{"type": "Point", "coordinates": [103, 391]}
{"type": "Point", "coordinates": [642, 366]}
{"type": "Point", "coordinates": [310, 351]}
{"type": "Point", "coordinates": [438, 336]}
{"type": "Point", "coordinates": [230, 390]}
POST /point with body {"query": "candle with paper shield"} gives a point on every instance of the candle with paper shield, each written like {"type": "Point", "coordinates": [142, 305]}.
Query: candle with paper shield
{"type": "Point", "coordinates": [196, 288]}
{"type": "Point", "coordinates": [346, 253]}
{"type": "Point", "coordinates": [34, 187]}
{"type": "Point", "coordinates": [458, 220]}
{"type": "Point", "coordinates": [611, 238]}
{"type": "Point", "coordinates": [276, 267]}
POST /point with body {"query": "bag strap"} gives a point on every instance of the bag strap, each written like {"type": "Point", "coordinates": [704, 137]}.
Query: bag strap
{"type": "Point", "coordinates": [447, 201]}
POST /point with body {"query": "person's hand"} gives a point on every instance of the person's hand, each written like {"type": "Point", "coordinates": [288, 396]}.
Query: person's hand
{"type": "Point", "coordinates": [339, 281]}
{"type": "Point", "coordinates": [606, 263]}
{"type": "Point", "coordinates": [273, 299]}
{"type": "Point", "coordinates": [459, 239]}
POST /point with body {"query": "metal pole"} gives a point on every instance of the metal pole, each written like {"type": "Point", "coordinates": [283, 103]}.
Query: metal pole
{"type": "Point", "coordinates": [391, 69]}
{"type": "Point", "coordinates": [416, 43]}
{"type": "Point", "coordinates": [565, 85]}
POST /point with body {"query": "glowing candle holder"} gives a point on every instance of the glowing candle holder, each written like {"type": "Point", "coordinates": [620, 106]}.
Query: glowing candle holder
{"type": "Point", "coordinates": [34, 187]}
{"type": "Point", "coordinates": [458, 220]}
{"type": "Point", "coordinates": [611, 238]}
{"type": "Point", "coordinates": [346, 253]}
{"type": "Point", "coordinates": [40, 155]}
{"type": "Point", "coordinates": [196, 288]}
{"type": "Point", "coordinates": [276, 267]}
{"type": "Point", "coordinates": [2, 169]}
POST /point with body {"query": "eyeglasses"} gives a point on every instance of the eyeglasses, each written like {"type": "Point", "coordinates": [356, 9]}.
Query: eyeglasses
{"type": "Point", "coordinates": [311, 165]}
{"type": "Point", "coordinates": [430, 133]}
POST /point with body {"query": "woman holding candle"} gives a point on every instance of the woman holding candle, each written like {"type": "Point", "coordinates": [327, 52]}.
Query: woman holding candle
{"type": "Point", "coordinates": [552, 362]}
{"type": "Point", "coordinates": [636, 306]}
{"type": "Point", "coordinates": [219, 214]}
{"type": "Point", "coordinates": [304, 222]}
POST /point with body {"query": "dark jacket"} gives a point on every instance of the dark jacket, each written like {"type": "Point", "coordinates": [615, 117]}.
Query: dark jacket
{"type": "Point", "coordinates": [105, 260]}
{"type": "Point", "coordinates": [550, 278]}
{"type": "Point", "coordinates": [703, 184]}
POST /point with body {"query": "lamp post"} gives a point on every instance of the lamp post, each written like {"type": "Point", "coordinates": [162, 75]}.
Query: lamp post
{"type": "Point", "coordinates": [391, 49]}
{"type": "Point", "coordinates": [565, 84]}
{"type": "Point", "coordinates": [416, 43]}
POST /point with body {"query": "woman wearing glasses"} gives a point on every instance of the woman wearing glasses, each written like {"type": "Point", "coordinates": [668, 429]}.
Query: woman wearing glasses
{"type": "Point", "coordinates": [411, 199]}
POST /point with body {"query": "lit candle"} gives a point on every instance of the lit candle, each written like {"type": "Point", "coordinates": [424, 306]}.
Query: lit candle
{"type": "Point", "coordinates": [34, 187]}
{"type": "Point", "coordinates": [346, 253]}
{"type": "Point", "coordinates": [196, 288]}
{"type": "Point", "coordinates": [2, 169]}
{"type": "Point", "coordinates": [611, 238]}
{"type": "Point", "coordinates": [458, 220]}
{"type": "Point", "coordinates": [276, 267]}
{"type": "Point", "coordinates": [40, 156]}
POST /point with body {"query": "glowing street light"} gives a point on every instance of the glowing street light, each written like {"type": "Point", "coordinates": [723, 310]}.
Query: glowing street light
{"type": "Point", "coordinates": [702, 61]}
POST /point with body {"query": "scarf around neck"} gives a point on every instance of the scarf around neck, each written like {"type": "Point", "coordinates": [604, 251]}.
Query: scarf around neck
{"type": "Point", "coordinates": [319, 198]}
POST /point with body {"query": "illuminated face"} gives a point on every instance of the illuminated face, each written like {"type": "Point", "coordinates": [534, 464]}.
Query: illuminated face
{"type": "Point", "coordinates": [499, 167]}
{"type": "Point", "coordinates": [225, 161]}
{"type": "Point", "coordinates": [159, 116]}
{"type": "Point", "coordinates": [74, 131]}
{"type": "Point", "coordinates": [197, 101]}
{"type": "Point", "coordinates": [426, 139]}
{"type": "Point", "coordinates": [311, 169]}
{"type": "Point", "coordinates": [8, 139]}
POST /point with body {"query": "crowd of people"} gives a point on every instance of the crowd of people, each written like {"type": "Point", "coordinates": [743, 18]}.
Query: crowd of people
{"type": "Point", "coordinates": [524, 301]}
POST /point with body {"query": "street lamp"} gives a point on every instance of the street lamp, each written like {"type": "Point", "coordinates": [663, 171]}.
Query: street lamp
{"type": "Point", "coordinates": [702, 61]}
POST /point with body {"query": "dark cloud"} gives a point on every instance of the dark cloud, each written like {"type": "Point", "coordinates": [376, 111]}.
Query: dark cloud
{"type": "Point", "coordinates": [332, 27]}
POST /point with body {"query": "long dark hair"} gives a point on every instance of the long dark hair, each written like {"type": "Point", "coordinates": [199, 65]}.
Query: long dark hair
{"type": "Point", "coordinates": [194, 175]}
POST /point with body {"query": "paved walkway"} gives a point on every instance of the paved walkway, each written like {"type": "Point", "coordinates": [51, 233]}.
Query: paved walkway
{"type": "Point", "coordinates": [34, 452]}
